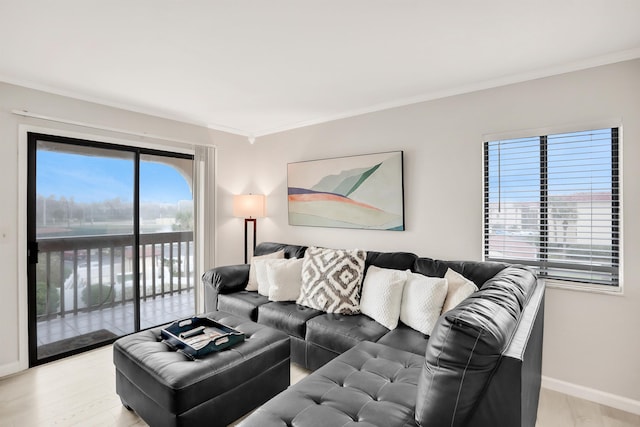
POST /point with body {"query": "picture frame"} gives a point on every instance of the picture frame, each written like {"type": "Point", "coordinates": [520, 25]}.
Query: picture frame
{"type": "Point", "coordinates": [362, 192]}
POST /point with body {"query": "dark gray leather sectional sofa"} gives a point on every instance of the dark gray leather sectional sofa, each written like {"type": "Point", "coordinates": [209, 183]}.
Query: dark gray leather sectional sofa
{"type": "Point", "coordinates": [481, 366]}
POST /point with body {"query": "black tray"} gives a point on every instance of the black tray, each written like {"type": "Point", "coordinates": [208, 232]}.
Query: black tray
{"type": "Point", "coordinates": [198, 336]}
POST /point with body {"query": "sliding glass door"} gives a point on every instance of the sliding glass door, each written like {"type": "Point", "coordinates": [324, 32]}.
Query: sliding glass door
{"type": "Point", "coordinates": [110, 242]}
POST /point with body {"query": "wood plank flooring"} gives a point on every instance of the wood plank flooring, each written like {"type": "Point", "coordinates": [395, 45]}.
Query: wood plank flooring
{"type": "Point", "coordinates": [559, 410]}
{"type": "Point", "coordinates": [80, 391]}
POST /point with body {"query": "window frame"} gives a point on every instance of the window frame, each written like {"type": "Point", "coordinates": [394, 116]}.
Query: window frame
{"type": "Point", "coordinates": [617, 200]}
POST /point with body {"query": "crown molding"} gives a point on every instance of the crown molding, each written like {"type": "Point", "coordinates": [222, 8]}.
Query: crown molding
{"type": "Point", "coordinates": [473, 87]}
{"type": "Point", "coordinates": [459, 90]}
{"type": "Point", "coordinates": [148, 111]}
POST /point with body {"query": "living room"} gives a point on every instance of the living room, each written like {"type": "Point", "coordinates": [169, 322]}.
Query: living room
{"type": "Point", "coordinates": [588, 352]}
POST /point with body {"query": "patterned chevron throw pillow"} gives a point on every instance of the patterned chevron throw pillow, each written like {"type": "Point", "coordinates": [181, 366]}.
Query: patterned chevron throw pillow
{"type": "Point", "coordinates": [331, 280]}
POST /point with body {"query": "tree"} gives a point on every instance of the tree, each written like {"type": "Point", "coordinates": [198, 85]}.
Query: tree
{"type": "Point", "coordinates": [184, 221]}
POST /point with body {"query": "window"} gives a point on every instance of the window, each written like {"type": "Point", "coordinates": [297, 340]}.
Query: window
{"type": "Point", "coordinates": [552, 202]}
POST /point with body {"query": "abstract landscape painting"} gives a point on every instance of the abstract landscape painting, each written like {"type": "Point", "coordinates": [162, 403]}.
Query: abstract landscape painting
{"type": "Point", "coordinates": [348, 192]}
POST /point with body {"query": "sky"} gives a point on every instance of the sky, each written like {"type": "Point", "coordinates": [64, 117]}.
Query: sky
{"type": "Point", "coordinates": [93, 179]}
{"type": "Point", "coordinates": [578, 162]}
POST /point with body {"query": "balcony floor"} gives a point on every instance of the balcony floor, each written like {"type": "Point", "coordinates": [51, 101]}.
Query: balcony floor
{"type": "Point", "coordinates": [118, 319]}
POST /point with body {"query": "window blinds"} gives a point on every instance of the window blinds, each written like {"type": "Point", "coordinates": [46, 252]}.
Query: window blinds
{"type": "Point", "coordinates": [552, 202]}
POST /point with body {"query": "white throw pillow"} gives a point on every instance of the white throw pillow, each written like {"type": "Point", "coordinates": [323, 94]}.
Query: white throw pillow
{"type": "Point", "coordinates": [261, 275]}
{"type": "Point", "coordinates": [382, 295]}
{"type": "Point", "coordinates": [285, 279]}
{"type": "Point", "coordinates": [459, 288]}
{"type": "Point", "coordinates": [252, 285]}
{"type": "Point", "coordinates": [422, 301]}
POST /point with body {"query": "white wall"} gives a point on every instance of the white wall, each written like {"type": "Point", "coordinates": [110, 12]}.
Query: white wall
{"type": "Point", "coordinates": [591, 340]}
{"type": "Point", "coordinates": [13, 315]}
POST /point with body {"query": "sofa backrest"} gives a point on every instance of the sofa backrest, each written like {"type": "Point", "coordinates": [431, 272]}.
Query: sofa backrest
{"type": "Point", "coordinates": [395, 260]}
{"type": "Point", "coordinates": [466, 346]}
{"type": "Point", "coordinates": [476, 271]}
{"type": "Point", "coordinates": [290, 251]}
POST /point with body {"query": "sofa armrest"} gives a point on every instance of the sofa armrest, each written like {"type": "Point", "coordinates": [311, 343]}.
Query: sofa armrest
{"type": "Point", "coordinates": [466, 348]}
{"type": "Point", "coordinates": [512, 395]}
{"type": "Point", "coordinates": [223, 280]}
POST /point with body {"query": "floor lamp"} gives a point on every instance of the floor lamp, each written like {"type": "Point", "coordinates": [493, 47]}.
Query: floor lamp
{"type": "Point", "coordinates": [250, 207]}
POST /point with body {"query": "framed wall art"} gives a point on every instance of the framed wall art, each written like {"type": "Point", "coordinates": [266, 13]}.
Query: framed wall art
{"type": "Point", "coordinates": [364, 191]}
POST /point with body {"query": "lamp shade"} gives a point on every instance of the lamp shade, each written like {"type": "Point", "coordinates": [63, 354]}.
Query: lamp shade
{"type": "Point", "coordinates": [249, 206]}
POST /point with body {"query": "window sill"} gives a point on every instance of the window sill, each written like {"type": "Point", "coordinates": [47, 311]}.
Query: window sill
{"type": "Point", "coordinates": [584, 287]}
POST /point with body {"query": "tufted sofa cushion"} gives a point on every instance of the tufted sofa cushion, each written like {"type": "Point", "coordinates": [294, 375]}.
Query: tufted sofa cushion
{"type": "Point", "coordinates": [339, 333]}
{"type": "Point", "coordinates": [287, 316]}
{"type": "Point", "coordinates": [369, 385]}
{"type": "Point", "coordinates": [243, 303]}
{"type": "Point", "coordinates": [405, 338]}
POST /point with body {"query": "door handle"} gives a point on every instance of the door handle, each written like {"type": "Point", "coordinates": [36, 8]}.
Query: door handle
{"type": "Point", "coordinates": [32, 252]}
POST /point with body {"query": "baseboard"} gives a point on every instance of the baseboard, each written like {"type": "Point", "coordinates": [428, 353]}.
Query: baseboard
{"type": "Point", "coordinates": [593, 395]}
{"type": "Point", "coordinates": [10, 368]}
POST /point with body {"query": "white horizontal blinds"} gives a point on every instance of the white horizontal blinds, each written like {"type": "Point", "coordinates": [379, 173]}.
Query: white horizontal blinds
{"type": "Point", "coordinates": [581, 213]}
{"type": "Point", "coordinates": [552, 202]}
{"type": "Point", "coordinates": [512, 209]}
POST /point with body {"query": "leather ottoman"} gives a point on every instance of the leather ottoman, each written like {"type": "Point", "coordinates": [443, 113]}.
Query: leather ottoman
{"type": "Point", "coordinates": [166, 388]}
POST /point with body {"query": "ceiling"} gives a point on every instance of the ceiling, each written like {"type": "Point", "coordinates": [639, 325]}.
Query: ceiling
{"type": "Point", "coordinates": [255, 67]}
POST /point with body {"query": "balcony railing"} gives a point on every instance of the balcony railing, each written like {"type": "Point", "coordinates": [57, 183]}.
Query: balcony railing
{"type": "Point", "coordinates": [80, 274]}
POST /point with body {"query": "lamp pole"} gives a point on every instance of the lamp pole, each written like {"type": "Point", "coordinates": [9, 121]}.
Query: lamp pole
{"type": "Point", "coordinates": [250, 207]}
{"type": "Point", "coordinates": [246, 249]}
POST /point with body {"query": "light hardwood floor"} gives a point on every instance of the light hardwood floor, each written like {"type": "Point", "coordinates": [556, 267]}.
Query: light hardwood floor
{"type": "Point", "coordinates": [80, 391]}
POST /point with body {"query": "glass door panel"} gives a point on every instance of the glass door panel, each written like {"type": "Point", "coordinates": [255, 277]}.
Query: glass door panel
{"type": "Point", "coordinates": [82, 225]}
{"type": "Point", "coordinates": [167, 289]}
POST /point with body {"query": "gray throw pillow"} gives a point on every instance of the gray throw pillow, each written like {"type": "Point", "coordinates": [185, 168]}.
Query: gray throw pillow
{"type": "Point", "coordinates": [331, 280]}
